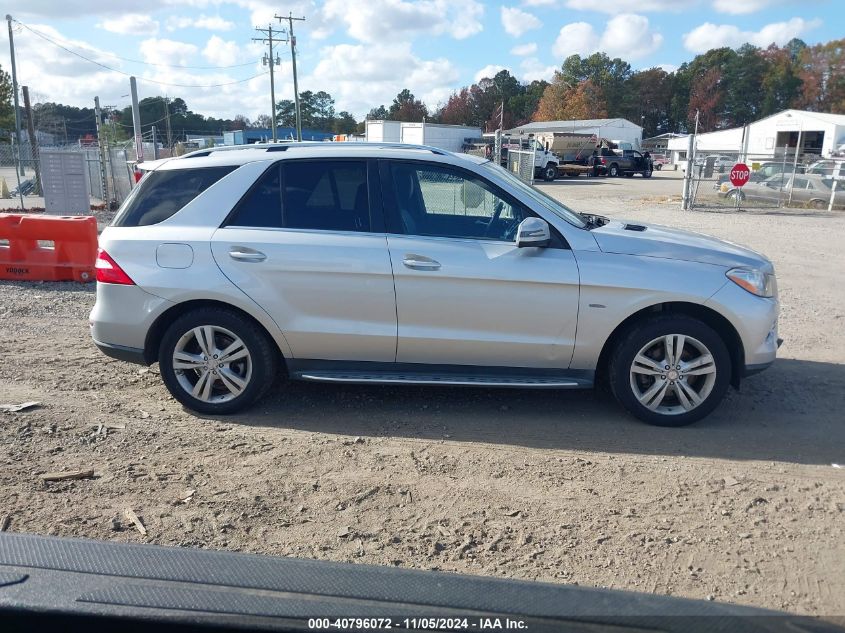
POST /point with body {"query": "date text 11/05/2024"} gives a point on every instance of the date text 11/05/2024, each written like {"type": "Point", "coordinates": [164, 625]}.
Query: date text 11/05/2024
{"type": "Point", "coordinates": [417, 624]}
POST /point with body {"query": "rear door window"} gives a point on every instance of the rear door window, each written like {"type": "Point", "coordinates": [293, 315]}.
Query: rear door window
{"type": "Point", "coordinates": [317, 195]}
{"type": "Point", "coordinates": [162, 193]}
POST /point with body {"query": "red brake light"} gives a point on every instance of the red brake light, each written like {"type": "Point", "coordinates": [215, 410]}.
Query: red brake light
{"type": "Point", "coordinates": [108, 272]}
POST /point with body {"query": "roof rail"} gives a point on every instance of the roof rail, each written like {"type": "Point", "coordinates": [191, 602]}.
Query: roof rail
{"type": "Point", "coordinates": [284, 146]}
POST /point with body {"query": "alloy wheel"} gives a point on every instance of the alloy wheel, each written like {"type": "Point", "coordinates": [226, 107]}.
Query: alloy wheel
{"type": "Point", "coordinates": [212, 364]}
{"type": "Point", "coordinates": [673, 374]}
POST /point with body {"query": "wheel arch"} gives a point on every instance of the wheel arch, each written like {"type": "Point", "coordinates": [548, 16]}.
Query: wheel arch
{"type": "Point", "coordinates": [156, 331]}
{"type": "Point", "coordinates": [707, 315]}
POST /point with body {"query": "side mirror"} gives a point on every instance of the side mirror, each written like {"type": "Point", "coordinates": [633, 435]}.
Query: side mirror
{"type": "Point", "coordinates": [533, 232]}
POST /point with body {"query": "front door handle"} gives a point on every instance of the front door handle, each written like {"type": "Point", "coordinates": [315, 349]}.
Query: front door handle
{"type": "Point", "coordinates": [243, 254]}
{"type": "Point", "coordinates": [420, 262]}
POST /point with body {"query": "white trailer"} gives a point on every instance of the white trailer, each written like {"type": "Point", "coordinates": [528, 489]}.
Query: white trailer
{"type": "Point", "coordinates": [448, 137]}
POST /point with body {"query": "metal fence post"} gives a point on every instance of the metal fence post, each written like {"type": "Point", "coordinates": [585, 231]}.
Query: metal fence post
{"type": "Point", "coordinates": [686, 203]}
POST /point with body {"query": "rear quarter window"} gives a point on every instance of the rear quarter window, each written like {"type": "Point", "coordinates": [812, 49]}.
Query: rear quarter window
{"type": "Point", "coordinates": [162, 193]}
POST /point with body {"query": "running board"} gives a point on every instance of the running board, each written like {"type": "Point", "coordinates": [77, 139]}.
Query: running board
{"type": "Point", "coordinates": [467, 380]}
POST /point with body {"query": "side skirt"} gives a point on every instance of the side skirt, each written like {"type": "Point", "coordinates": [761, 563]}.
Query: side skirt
{"type": "Point", "coordinates": [452, 375]}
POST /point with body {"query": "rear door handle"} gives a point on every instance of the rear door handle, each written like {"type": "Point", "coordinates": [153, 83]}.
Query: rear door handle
{"type": "Point", "coordinates": [420, 262]}
{"type": "Point", "coordinates": [244, 254]}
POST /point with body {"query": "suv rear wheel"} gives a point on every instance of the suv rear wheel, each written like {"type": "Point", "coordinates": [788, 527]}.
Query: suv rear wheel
{"type": "Point", "coordinates": [215, 361]}
{"type": "Point", "coordinates": [670, 370]}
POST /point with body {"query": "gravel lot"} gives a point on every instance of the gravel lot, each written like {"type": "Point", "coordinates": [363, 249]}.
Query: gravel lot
{"type": "Point", "coordinates": [746, 506]}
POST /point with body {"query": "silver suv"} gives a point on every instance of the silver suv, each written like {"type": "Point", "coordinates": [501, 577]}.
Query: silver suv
{"type": "Point", "coordinates": [360, 263]}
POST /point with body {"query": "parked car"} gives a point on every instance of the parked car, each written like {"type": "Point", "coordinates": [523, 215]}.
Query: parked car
{"type": "Point", "coordinates": [659, 160]}
{"type": "Point", "coordinates": [360, 263]}
{"type": "Point", "coordinates": [626, 163]}
{"type": "Point", "coordinates": [808, 190]}
{"type": "Point", "coordinates": [764, 172]}
{"type": "Point", "coordinates": [823, 168]}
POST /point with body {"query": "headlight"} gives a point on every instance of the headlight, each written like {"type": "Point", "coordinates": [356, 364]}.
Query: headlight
{"type": "Point", "coordinates": [754, 281]}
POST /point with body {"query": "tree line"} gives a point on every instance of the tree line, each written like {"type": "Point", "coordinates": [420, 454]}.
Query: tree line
{"type": "Point", "coordinates": [727, 87]}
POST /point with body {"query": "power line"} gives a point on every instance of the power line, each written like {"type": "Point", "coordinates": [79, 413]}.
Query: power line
{"type": "Point", "coordinates": [137, 61]}
{"type": "Point", "coordinates": [152, 81]}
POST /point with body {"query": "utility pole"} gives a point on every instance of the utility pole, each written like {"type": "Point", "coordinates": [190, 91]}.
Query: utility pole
{"type": "Point", "coordinates": [33, 141]}
{"type": "Point", "coordinates": [167, 124]}
{"type": "Point", "coordinates": [15, 94]}
{"type": "Point", "coordinates": [292, 40]}
{"type": "Point", "coordinates": [271, 61]}
{"type": "Point", "coordinates": [686, 202]}
{"type": "Point", "coordinates": [104, 184]}
{"type": "Point", "coordinates": [136, 121]}
{"type": "Point", "coordinates": [155, 143]}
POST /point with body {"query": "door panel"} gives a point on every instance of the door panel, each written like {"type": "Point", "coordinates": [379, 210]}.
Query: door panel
{"type": "Point", "coordinates": [487, 303]}
{"type": "Point", "coordinates": [330, 293]}
{"type": "Point", "coordinates": [304, 245]}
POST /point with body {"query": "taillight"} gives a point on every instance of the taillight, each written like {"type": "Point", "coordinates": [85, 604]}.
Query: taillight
{"type": "Point", "coordinates": [108, 272]}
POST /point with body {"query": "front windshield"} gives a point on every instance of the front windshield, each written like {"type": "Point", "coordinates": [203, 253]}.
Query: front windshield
{"type": "Point", "coordinates": [547, 202]}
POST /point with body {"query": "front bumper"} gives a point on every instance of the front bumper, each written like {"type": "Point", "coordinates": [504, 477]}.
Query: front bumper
{"type": "Point", "coordinates": [755, 320]}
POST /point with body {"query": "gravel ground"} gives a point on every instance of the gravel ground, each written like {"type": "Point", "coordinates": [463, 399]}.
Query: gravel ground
{"type": "Point", "coordinates": [744, 507]}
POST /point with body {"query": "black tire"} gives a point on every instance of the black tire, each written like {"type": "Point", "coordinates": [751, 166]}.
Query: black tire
{"type": "Point", "coordinates": [647, 173]}
{"type": "Point", "coordinates": [818, 204]}
{"type": "Point", "coordinates": [550, 172]}
{"type": "Point", "coordinates": [659, 167]}
{"type": "Point", "coordinates": [613, 170]}
{"type": "Point", "coordinates": [263, 352]}
{"type": "Point", "coordinates": [639, 335]}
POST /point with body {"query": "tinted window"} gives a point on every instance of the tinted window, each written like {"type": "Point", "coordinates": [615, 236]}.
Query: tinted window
{"type": "Point", "coordinates": [326, 195]}
{"type": "Point", "coordinates": [162, 193]}
{"type": "Point", "coordinates": [438, 201]}
{"type": "Point", "coordinates": [262, 206]}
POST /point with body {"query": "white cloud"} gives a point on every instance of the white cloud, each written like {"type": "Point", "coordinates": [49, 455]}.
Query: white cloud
{"type": "Point", "coordinates": [362, 76]}
{"type": "Point", "coordinates": [209, 22]}
{"type": "Point", "coordinates": [164, 52]}
{"type": "Point", "coordinates": [532, 69]}
{"type": "Point", "coordinates": [397, 20]}
{"type": "Point", "coordinates": [489, 71]}
{"type": "Point", "coordinates": [641, 6]}
{"type": "Point", "coordinates": [708, 35]}
{"type": "Point", "coordinates": [626, 35]}
{"type": "Point", "coordinates": [630, 35]}
{"type": "Point", "coordinates": [517, 22]}
{"type": "Point", "coordinates": [521, 50]}
{"type": "Point", "coordinates": [131, 24]}
{"type": "Point", "coordinates": [575, 38]}
{"type": "Point", "coordinates": [539, 3]}
{"type": "Point", "coordinates": [220, 52]}
{"type": "Point", "coordinates": [744, 7]}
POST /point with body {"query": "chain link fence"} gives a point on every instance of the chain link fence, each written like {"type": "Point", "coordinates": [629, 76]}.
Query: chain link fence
{"type": "Point", "coordinates": [110, 182]}
{"type": "Point", "coordinates": [521, 164]}
{"type": "Point", "coordinates": [780, 179]}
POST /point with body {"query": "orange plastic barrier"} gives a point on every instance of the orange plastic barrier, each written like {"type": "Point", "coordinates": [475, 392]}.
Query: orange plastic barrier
{"type": "Point", "coordinates": [47, 248]}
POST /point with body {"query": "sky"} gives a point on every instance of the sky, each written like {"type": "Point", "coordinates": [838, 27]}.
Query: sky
{"type": "Point", "coordinates": [363, 52]}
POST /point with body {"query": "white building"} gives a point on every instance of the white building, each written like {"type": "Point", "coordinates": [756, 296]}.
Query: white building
{"type": "Point", "coordinates": [778, 135]}
{"type": "Point", "coordinates": [612, 129]}
{"type": "Point", "coordinates": [448, 137]}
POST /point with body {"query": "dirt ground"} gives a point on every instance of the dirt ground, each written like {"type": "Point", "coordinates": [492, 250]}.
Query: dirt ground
{"type": "Point", "coordinates": [747, 506]}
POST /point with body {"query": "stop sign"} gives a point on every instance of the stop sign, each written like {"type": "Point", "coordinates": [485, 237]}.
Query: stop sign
{"type": "Point", "coordinates": [740, 174]}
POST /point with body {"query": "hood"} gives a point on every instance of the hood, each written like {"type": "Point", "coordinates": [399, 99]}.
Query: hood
{"type": "Point", "coordinates": [633, 238]}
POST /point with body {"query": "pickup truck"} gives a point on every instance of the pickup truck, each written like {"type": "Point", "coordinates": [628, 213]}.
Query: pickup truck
{"type": "Point", "coordinates": [627, 162]}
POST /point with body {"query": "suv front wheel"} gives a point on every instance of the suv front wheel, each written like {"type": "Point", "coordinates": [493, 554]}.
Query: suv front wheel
{"type": "Point", "coordinates": [216, 361]}
{"type": "Point", "coordinates": [670, 370]}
